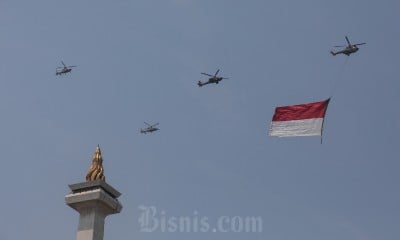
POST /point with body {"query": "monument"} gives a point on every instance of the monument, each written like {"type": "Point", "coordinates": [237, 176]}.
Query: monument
{"type": "Point", "coordinates": [94, 200]}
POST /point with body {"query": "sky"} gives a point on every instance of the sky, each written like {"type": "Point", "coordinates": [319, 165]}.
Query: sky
{"type": "Point", "coordinates": [140, 61]}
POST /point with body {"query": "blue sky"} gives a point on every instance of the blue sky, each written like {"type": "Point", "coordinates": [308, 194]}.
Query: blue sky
{"type": "Point", "coordinates": [140, 61]}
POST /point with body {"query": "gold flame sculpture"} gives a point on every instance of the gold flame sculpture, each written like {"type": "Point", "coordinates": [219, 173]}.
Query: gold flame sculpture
{"type": "Point", "coordinates": [96, 171]}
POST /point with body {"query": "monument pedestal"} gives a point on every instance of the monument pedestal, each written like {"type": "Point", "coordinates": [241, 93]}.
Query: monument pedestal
{"type": "Point", "coordinates": [94, 201]}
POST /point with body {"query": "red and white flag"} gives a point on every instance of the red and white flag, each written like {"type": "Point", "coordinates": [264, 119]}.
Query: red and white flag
{"type": "Point", "coordinates": [299, 120]}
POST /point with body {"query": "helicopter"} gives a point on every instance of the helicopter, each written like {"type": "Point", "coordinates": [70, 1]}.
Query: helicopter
{"type": "Point", "coordinates": [64, 70]}
{"type": "Point", "coordinates": [150, 128]}
{"type": "Point", "coordinates": [212, 79]}
{"type": "Point", "coordinates": [349, 49]}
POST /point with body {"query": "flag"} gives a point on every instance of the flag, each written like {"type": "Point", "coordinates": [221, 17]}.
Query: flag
{"type": "Point", "coordinates": [299, 120]}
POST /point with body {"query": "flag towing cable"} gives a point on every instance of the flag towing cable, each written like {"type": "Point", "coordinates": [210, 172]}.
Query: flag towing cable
{"type": "Point", "coordinates": [299, 120]}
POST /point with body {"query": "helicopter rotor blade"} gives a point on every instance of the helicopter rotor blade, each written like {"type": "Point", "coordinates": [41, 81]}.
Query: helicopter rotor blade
{"type": "Point", "coordinates": [72, 66]}
{"type": "Point", "coordinates": [347, 40]}
{"type": "Point", "coordinates": [63, 64]}
{"type": "Point", "coordinates": [339, 46]}
{"type": "Point", "coordinates": [147, 124]}
{"type": "Point", "coordinates": [207, 74]}
{"type": "Point", "coordinates": [216, 73]}
{"type": "Point", "coordinates": [357, 44]}
{"type": "Point", "coordinates": [154, 125]}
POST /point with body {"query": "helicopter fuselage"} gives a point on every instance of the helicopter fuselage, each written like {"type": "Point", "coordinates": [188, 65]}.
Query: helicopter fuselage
{"type": "Point", "coordinates": [350, 49]}
{"type": "Point", "coordinates": [215, 80]}
{"type": "Point", "coordinates": [148, 130]}
{"type": "Point", "coordinates": [64, 71]}
{"type": "Point", "coordinates": [347, 51]}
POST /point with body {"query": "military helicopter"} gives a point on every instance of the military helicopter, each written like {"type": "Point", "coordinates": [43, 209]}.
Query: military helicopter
{"type": "Point", "coordinates": [349, 49]}
{"type": "Point", "coordinates": [212, 79]}
{"type": "Point", "coordinates": [150, 128]}
{"type": "Point", "coordinates": [64, 70]}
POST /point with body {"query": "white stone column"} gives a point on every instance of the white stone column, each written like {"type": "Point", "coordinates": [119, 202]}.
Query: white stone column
{"type": "Point", "coordinates": [94, 201]}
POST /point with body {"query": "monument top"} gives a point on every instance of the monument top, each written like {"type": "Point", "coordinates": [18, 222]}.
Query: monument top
{"type": "Point", "coordinates": [96, 171]}
{"type": "Point", "coordinates": [95, 178]}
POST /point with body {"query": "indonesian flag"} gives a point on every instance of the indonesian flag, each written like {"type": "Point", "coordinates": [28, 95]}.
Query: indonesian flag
{"type": "Point", "coordinates": [299, 120]}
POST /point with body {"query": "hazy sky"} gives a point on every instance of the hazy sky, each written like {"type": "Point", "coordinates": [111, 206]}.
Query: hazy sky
{"type": "Point", "coordinates": [140, 61]}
